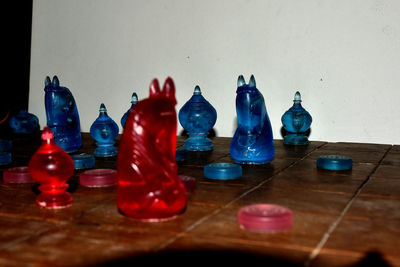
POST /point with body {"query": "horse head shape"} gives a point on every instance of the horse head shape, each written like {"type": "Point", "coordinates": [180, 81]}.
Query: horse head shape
{"type": "Point", "coordinates": [148, 184]}
{"type": "Point", "coordinates": [62, 115]}
{"type": "Point", "coordinates": [252, 142]}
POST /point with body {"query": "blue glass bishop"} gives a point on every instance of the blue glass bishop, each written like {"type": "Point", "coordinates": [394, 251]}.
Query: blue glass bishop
{"type": "Point", "coordinates": [197, 117]}
{"type": "Point", "coordinates": [252, 142]}
{"type": "Point", "coordinates": [296, 122]}
{"type": "Point", "coordinates": [134, 100]}
{"type": "Point", "coordinates": [62, 115]}
{"type": "Point", "coordinates": [104, 130]}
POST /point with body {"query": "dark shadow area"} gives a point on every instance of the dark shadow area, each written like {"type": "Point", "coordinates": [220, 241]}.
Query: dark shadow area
{"type": "Point", "coordinates": [199, 258]}
{"type": "Point", "coordinates": [16, 38]}
{"type": "Point", "coordinates": [373, 259]}
{"type": "Point", "coordinates": [221, 258]}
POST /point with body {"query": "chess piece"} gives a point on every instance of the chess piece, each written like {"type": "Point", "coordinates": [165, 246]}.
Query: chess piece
{"type": "Point", "coordinates": [104, 130]}
{"type": "Point", "coordinates": [134, 100]}
{"type": "Point", "coordinates": [197, 117]}
{"type": "Point", "coordinates": [252, 142]}
{"type": "Point", "coordinates": [62, 115]}
{"type": "Point", "coordinates": [148, 185]}
{"type": "Point", "coordinates": [51, 167]}
{"type": "Point", "coordinates": [296, 122]}
{"type": "Point", "coordinates": [24, 122]}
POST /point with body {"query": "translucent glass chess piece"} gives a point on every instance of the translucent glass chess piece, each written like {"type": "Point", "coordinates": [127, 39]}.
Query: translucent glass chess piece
{"type": "Point", "coordinates": [104, 130]}
{"type": "Point", "coordinates": [134, 100]}
{"type": "Point", "coordinates": [51, 167]}
{"type": "Point", "coordinates": [252, 142]}
{"type": "Point", "coordinates": [62, 115]}
{"type": "Point", "coordinates": [296, 122]}
{"type": "Point", "coordinates": [197, 117]}
{"type": "Point", "coordinates": [148, 185]}
{"type": "Point", "coordinates": [24, 122]}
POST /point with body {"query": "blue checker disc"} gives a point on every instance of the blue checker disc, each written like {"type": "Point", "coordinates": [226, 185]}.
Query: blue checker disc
{"type": "Point", "coordinates": [334, 162]}
{"type": "Point", "coordinates": [83, 161]}
{"type": "Point", "coordinates": [222, 171]}
{"type": "Point", "coordinates": [5, 158]}
{"type": "Point", "coordinates": [5, 145]}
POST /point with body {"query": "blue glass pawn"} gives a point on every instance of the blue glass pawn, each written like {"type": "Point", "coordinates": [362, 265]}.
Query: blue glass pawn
{"type": "Point", "coordinates": [62, 115]}
{"type": "Point", "coordinates": [197, 117]}
{"type": "Point", "coordinates": [104, 130]}
{"type": "Point", "coordinates": [134, 100]}
{"type": "Point", "coordinates": [24, 122]}
{"type": "Point", "coordinates": [252, 142]}
{"type": "Point", "coordinates": [296, 122]}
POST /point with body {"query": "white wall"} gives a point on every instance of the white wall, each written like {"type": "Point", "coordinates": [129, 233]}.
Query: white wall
{"type": "Point", "coordinates": [342, 55]}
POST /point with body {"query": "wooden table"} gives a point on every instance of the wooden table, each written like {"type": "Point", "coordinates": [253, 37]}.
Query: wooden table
{"type": "Point", "coordinates": [339, 218]}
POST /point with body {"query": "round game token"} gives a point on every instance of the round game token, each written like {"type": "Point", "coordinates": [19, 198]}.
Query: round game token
{"type": "Point", "coordinates": [189, 182]}
{"type": "Point", "coordinates": [265, 218]}
{"type": "Point", "coordinates": [83, 161]}
{"type": "Point", "coordinates": [98, 177]}
{"type": "Point", "coordinates": [17, 175]}
{"type": "Point", "coordinates": [334, 162]}
{"type": "Point", "coordinates": [5, 158]}
{"type": "Point", "coordinates": [222, 171]}
{"type": "Point", "coordinates": [5, 145]}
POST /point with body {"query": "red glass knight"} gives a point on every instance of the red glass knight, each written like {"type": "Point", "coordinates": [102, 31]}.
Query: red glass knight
{"type": "Point", "coordinates": [148, 185]}
{"type": "Point", "coordinates": [51, 167]}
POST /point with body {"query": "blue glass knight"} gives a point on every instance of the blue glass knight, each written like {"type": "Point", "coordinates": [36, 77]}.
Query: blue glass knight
{"type": "Point", "coordinates": [252, 142]}
{"type": "Point", "coordinates": [62, 115]}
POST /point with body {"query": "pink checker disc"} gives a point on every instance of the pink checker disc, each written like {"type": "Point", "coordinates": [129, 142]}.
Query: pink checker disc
{"type": "Point", "coordinates": [98, 177]}
{"type": "Point", "coordinates": [265, 218]}
{"type": "Point", "coordinates": [189, 182]}
{"type": "Point", "coordinates": [17, 175]}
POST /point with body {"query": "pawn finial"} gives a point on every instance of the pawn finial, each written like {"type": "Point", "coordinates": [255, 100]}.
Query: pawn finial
{"type": "Point", "coordinates": [297, 97]}
{"type": "Point", "coordinates": [134, 99]}
{"type": "Point", "coordinates": [103, 108]}
{"type": "Point", "coordinates": [197, 90]}
{"type": "Point", "coordinates": [47, 134]}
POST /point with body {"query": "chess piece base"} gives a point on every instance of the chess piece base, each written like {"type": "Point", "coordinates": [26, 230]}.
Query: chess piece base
{"type": "Point", "coordinates": [54, 197]}
{"type": "Point", "coordinates": [295, 139]}
{"type": "Point", "coordinates": [198, 143]}
{"type": "Point", "coordinates": [106, 151]}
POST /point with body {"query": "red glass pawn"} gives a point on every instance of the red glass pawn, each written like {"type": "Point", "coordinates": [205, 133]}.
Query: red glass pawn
{"type": "Point", "coordinates": [148, 185]}
{"type": "Point", "coordinates": [51, 167]}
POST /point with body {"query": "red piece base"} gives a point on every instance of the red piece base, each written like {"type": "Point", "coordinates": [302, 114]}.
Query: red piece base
{"type": "Point", "coordinates": [138, 217]}
{"type": "Point", "coordinates": [51, 201]}
{"type": "Point", "coordinates": [150, 206]}
{"type": "Point", "coordinates": [54, 197]}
